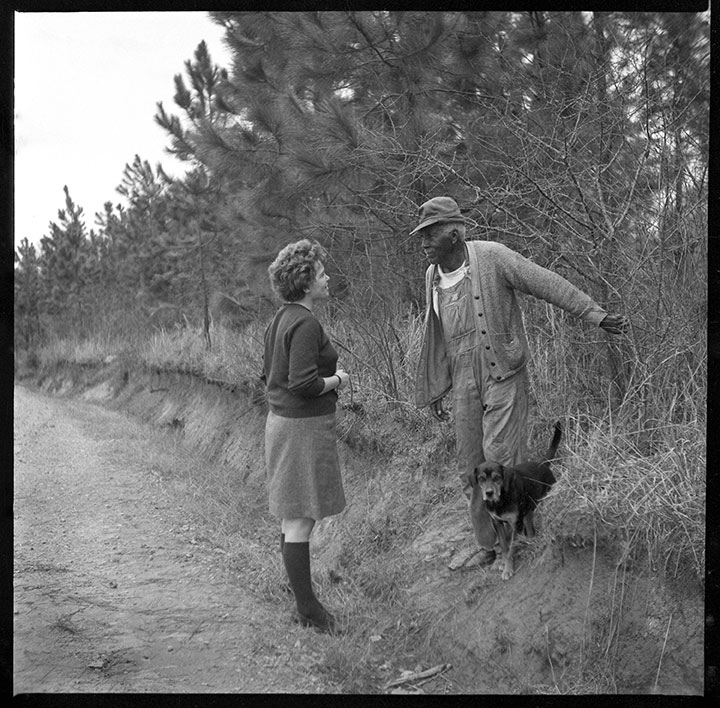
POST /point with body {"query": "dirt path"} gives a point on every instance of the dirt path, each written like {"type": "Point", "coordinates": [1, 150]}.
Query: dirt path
{"type": "Point", "coordinates": [111, 592]}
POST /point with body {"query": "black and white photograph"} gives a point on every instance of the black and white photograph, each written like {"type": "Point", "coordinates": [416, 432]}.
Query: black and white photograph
{"type": "Point", "coordinates": [360, 351]}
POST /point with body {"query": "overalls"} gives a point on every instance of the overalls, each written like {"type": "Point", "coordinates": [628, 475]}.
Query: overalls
{"type": "Point", "coordinates": [490, 416]}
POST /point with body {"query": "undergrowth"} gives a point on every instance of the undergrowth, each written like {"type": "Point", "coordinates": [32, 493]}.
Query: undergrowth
{"type": "Point", "coordinates": [635, 472]}
{"type": "Point", "coordinates": [631, 464]}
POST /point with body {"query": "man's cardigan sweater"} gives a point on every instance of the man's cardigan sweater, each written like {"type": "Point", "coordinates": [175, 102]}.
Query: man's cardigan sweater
{"type": "Point", "coordinates": [297, 355]}
{"type": "Point", "coordinates": [496, 273]}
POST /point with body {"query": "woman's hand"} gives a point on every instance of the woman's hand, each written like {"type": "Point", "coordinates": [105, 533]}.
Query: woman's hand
{"type": "Point", "coordinates": [344, 378]}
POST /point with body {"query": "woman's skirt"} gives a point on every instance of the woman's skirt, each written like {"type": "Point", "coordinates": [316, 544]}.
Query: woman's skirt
{"type": "Point", "coordinates": [302, 467]}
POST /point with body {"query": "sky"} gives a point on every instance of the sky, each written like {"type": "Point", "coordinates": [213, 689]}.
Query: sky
{"type": "Point", "coordinates": [86, 88]}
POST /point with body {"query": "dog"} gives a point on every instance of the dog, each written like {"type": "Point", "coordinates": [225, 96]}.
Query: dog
{"type": "Point", "coordinates": [510, 495]}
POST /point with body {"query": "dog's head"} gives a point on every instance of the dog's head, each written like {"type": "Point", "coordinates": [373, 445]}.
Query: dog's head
{"type": "Point", "coordinates": [492, 480]}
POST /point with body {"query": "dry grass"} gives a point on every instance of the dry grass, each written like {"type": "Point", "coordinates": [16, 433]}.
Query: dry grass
{"type": "Point", "coordinates": [631, 470]}
{"type": "Point", "coordinates": [233, 357]}
{"type": "Point", "coordinates": [86, 351]}
{"type": "Point", "coordinates": [650, 507]}
{"type": "Point", "coordinates": [633, 453]}
{"type": "Point", "coordinates": [634, 469]}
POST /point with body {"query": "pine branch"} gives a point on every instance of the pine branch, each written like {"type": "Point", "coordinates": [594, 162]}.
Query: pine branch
{"type": "Point", "coordinates": [341, 123]}
{"type": "Point", "coordinates": [182, 96]}
{"type": "Point", "coordinates": [264, 116]}
{"type": "Point", "coordinates": [238, 38]}
{"type": "Point", "coordinates": [370, 44]}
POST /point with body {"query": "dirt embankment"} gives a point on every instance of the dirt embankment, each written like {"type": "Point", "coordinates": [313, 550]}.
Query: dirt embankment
{"type": "Point", "coordinates": [115, 591]}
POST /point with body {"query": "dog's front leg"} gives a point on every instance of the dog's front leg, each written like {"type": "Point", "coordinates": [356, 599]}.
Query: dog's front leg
{"type": "Point", "coordinates": [501, 533]}
{"type": "Point", "coordinates": [508, 558]}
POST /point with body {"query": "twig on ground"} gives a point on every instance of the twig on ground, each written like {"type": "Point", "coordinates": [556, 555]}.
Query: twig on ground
{"type": "Point", "coordinates": [440, 668]}
{"type": "Point", "coordinates": [662, 653]}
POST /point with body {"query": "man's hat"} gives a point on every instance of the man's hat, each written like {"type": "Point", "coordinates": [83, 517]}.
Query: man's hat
{"type": "Point", "coordinates": [438, 210]}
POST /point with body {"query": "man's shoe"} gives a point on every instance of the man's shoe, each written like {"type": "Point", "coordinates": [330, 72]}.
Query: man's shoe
{"type": "Point", "coordinates": [484, 558]}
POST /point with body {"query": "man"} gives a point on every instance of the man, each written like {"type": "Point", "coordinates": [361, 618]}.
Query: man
{"type": "Point", "coordinates": [474, 342]}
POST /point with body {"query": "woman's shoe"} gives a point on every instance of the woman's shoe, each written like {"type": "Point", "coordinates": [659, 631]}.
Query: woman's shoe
{"type": "Point", "coordinates": [322, 622]}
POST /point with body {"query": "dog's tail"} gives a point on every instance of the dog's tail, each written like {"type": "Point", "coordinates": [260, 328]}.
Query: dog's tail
{"type": "Point", "coordinates": [550, 454]}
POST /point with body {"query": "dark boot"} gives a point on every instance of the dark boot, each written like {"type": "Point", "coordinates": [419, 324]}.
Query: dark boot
{"type": "Point", "coordinates": [310, 613]}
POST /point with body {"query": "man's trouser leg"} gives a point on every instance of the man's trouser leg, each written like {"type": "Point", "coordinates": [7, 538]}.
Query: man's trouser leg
{"type": "Point", "coordinates": [491, 425]}
{"type": "Point", "coordinates": [505, 419]}
{"type": "Point", "coordinates": [468, 412]}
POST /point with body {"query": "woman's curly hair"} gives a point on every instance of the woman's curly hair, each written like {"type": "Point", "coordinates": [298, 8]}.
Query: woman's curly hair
{"type": "Point", "coordinates": [294, 269]}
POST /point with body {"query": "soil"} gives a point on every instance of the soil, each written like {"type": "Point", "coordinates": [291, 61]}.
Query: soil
{"type": "Point", "coordinates": [117, 590]}
{"type": "Point", "coordinates": [113, 593]}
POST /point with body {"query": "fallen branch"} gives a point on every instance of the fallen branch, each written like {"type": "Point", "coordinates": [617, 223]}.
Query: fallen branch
{"type": "Point", "coordinates": [440, 668]}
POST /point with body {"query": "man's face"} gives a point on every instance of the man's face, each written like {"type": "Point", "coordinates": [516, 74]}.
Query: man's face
{"type": "Point", "coordinates": [438, 242]}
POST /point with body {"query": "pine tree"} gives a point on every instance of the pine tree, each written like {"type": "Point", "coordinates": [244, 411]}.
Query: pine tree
{"type": "Point", "coordinates": [339, 115]}
{"type": "Point", "coordinates": [65, 256]}
{"type": "Point", "coordinates": [27, 296]}
{"type": "Point", "coordinates": [338, 124]}
{"type": "Point", "coordinates": [230, 235]}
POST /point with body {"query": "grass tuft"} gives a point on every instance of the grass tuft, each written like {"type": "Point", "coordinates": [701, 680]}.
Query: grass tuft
{"type": "Point", "coordinates": [650, 508]}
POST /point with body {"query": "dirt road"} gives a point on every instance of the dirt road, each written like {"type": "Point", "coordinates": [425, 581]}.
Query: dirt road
{"type": "Point", "coordinates": [112, 594]}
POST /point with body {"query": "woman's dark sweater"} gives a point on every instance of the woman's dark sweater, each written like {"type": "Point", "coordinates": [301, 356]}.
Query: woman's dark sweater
{"type": "Point", "coordinates": [298, 354]}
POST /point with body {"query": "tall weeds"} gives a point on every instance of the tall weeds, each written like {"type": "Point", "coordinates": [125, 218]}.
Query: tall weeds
{"type": "Point", "coordinates": [633, 457]}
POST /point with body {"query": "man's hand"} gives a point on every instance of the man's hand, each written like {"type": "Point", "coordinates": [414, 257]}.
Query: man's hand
{"type": "Point", "coordinates": [614, 324]}
{"type": "Point", "coordinates": [438, 411]}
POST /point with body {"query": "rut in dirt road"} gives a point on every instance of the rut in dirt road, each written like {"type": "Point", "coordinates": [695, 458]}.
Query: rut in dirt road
{"type": "Point", "coordinates": [110, 594]}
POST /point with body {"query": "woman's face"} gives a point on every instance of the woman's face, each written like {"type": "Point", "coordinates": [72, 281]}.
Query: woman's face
{"type": "Point", "coordinates": [319, 289]}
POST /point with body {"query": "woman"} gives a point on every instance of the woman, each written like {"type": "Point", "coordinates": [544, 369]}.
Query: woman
{"type": "Point", "coordinates": [303, 470]}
